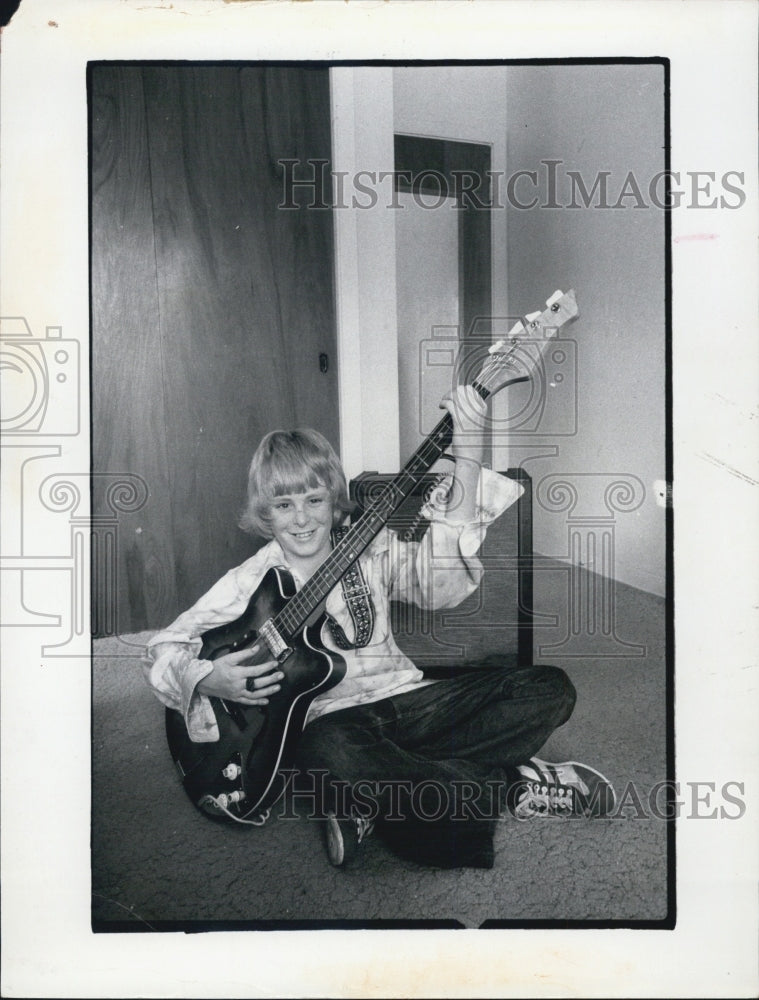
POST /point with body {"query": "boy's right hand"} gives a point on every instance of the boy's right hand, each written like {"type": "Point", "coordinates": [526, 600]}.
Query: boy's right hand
{"type": "Point", "coordinates": [232, 677]}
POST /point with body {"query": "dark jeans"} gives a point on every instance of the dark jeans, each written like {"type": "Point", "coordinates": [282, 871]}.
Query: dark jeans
{"type": "Point", "coordinates": [432, 765]}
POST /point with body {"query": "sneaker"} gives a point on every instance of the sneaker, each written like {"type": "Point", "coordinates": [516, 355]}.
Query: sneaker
{"type": "Point", "coordinates": [567, 789]}
{"type": "Point", "coordinates": [343, 837]}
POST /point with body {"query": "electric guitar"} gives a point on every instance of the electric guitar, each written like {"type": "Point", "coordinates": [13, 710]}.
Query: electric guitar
{"type": "Point", "coordinates": [238, 777]}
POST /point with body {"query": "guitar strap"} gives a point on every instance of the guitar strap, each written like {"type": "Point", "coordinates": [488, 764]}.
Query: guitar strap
{"type": "Point", "coordinates": [358, 600]}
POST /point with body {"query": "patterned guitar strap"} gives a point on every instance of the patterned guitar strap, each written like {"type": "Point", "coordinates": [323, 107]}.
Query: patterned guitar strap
{"type": "Point", "coordinates": [358, 600]}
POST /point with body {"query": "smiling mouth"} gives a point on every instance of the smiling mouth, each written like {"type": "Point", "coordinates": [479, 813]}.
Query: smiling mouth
{"type": "Point", "coordinates": [303, 535]}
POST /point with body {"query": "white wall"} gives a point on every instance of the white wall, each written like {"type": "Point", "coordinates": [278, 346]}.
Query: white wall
{"type": "Point", "coordinates": [370, 104]}
{"type": "Point", "coordinates": [465, 104]}
{"type": "Point", "coordinates": [362, 129]}
{"type": "Point", "coordinates": [592, 118]}
{"type": "Point", "coordinates": [596, 118]}
{"type": "Point", "coordinates": [427, 290]}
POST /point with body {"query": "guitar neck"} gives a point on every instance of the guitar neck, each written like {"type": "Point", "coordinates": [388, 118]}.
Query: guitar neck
{"type": "Point", "coordinates": [302, 605]}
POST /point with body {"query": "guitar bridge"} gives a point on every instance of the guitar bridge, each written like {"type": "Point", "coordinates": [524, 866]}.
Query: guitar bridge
{"type": "Point", "coordinates": [279, 648]}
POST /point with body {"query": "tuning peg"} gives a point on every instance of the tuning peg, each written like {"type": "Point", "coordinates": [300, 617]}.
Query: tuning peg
{"type": "Point", "coordinates": [531, 317]}
{"type": "Point", "coordinates": [496, 347]}
{"type": "Point", "coordinates": [558, 294]}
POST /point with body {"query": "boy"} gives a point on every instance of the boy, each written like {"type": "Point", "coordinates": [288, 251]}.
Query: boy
{"type": "Point", "coordinates": [434, 762]}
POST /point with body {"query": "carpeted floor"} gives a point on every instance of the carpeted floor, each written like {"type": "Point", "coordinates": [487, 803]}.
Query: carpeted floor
{"type": "Point", "coordinates": [158, 864]}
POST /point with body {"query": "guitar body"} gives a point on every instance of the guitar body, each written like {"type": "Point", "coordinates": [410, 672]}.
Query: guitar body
{"type": "Point", "coordinates": [238, 776]}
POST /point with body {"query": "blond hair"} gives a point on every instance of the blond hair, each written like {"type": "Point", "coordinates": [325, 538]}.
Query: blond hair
{"type": "Point", "coordinates": [288, 462]}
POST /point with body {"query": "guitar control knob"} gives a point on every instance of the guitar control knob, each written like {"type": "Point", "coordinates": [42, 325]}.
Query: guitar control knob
{"type": "Point", "coordinates": [236, 797]}
{"type": "Point", "coordinates": [232, 771]}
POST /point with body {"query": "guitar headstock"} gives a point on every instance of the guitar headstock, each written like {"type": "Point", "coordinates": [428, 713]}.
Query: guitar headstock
{"type": "Point", "coordinates": [515, 358]}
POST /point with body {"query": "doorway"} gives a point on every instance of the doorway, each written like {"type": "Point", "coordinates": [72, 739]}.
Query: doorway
{"type": "Point", "coordinates": [443, 273]}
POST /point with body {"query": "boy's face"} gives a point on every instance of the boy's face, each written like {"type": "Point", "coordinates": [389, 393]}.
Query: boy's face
{"type": "Point", "coordinates": [302, 523]}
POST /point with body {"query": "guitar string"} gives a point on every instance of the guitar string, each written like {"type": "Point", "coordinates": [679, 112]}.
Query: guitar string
{"type": "Point", "coordinates": [384, 504]}
{"type": "Point", "coordinates": [301, 605]}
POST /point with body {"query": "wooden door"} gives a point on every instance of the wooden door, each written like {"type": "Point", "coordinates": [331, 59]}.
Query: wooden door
{"type": "Point", "coordinates": [211, 309]}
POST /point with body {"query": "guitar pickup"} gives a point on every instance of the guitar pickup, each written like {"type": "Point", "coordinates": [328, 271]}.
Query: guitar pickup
{"type": "Point", "coordinates": [277, 645]}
